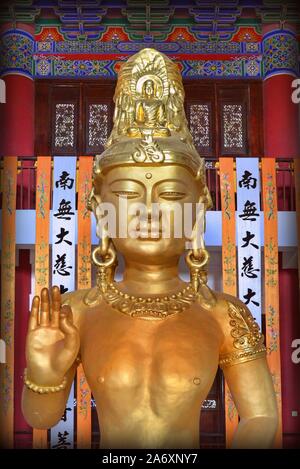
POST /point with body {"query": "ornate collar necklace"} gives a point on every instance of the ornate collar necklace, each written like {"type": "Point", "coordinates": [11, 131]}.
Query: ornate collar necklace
{"type": "Point", "coordinates": [154, 307]}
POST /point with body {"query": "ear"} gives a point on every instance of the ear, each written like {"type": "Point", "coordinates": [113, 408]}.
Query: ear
{"type": "Point", "coordinates": [94, 198]}
{"type": "Point", "coordinates": [93, 201]}
{"type": "Point", "coordinates": [205, 197]}
{"type": "Point", "coordinates": [197, 235]}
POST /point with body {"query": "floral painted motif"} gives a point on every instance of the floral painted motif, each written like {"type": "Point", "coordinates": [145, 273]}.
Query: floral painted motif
{"type": "Point", "coordinates": [85, 189]}
{"type": "Point", "coordinates": [229, 264]}
{"type": "Point", "coordinates": [42, 264]}
{"type": "Point", "coordinates": [271, 281]}
{"type": "Point", "coordinates": [84, 263]}
{"type": "Point", "coordinates": [6, 389]}
{"type": "Point", "coordinates": [270, 195]}
{"type": "Point", "coordinates": [17, 50]}
{"type": "Point", "coordinates": [84, 398]}
{"type": "Point", "coordinates": [8, 258]}
{"type": "Point", "coordinates": [280, 53]}
{"type": "Point", "coordinates": [8, 298]}
{"type": "Point", "coordinates": [271, 261]}
{"type": "Point", "coordinates": [8, 316]}
{"type": "Point", "coordinates": [225, 185]}
{"type": "Point", "coordinates": [272, 330]}
{"type": "Point", "coordinates": [9, 192]}
{"type": "Point", "coordinates": [42, 196]}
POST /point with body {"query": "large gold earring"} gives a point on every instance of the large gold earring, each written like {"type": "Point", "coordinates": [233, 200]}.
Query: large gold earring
{"type": "Point", "coordinates": [105, 258]}
{"type": "Point", "coordinates": [197, 261]}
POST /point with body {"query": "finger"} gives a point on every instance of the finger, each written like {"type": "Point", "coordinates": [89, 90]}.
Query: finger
{"type": "Point", "coordinates": [68, 328]}
{"type": "Point", "coordinates": [56, 302]}
{"type": "Point", "coordinates": [66, 319]}
{"type": "Point", "coordinates": [34, 314]}
{"type": "Point", "coordinates": [45, 308]}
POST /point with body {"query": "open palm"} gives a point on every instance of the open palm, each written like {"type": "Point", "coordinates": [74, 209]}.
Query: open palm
{"type": "Point", "coordinates": [52, 342]}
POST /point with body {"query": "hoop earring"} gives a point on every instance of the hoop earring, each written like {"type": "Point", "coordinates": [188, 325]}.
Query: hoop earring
{"type": "Point", "coordinates": [197, 261]}
{"type": "Point", "coordinates": [106, 264]}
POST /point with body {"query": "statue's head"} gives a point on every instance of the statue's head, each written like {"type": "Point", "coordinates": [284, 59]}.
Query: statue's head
{"type": "Point", "coordinates": [133, 173]}
{"type": "Point", "coordinates": [148, 89]}
{"type": "Point", "coordinates": [148, 210]}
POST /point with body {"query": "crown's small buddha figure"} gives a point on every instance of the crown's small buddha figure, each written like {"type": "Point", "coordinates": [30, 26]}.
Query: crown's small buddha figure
{"type": "Point", "coordinates": [150, 113]}
{"type": "Point", "coordinates": [150, 344]}
{"type": "Point", "coordinates": [149, 110]}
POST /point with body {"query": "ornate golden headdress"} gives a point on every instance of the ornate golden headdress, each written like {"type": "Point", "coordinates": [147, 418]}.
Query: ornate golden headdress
{"type": "Point", "coordinates": [150, 125]}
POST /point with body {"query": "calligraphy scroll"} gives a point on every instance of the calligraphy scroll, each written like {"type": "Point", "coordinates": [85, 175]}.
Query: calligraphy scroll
{"type": "Point", "coordinates": [248, 234]}
{"type": "Point", "coordinates": [8, 262]}
{"type": "Point", "coordinates": [227, 182]}
{"type": "Point", "coordinates": [42, 209]}
{"type": "Point", "coordinates": [271, 284]}
{"type": "Point", "coordinates": [63, 268]}
{"type": "Point", "coordinates": [84, 281]}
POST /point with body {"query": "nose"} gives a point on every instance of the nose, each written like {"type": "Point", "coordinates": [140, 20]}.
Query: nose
{"type": "Point", "coordinates": [150, 199]}
{"type": "Point", "coordinates": [149, 206]}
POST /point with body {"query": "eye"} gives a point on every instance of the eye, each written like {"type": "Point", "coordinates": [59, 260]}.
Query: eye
{"type": "Point", "coordinates": [172, 195]}
{"type": "Point", "coordinates": [127, 194]}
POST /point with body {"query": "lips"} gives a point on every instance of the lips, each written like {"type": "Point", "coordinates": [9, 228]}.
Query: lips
{"type": "Point", "coordinates": [150, 231]}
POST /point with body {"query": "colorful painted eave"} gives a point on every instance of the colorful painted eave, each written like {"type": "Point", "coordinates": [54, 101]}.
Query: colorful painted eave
{"type": "Point", "coordinates": [149, 19]}
{"type": "Point", "coordinates": [90, 39]}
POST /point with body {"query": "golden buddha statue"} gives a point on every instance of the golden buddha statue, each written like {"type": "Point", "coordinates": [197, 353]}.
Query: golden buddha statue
{"type": "Point", "coordinates": [150, 344]}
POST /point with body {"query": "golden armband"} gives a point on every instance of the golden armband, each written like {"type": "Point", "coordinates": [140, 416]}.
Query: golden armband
{"type": "Point", "coordinates": [248, 341]}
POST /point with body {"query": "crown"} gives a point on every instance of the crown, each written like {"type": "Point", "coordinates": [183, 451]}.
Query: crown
{"type": "Point", "coordinates": [150, 126]}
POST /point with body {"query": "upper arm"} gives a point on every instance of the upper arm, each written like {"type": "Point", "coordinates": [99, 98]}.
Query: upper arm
{"type": "Point", "coordinates": [243, 340]}
{"type": "Point", "coordinates": [252, 389]}
{"type": "Point", "coordinates": [243, 360]}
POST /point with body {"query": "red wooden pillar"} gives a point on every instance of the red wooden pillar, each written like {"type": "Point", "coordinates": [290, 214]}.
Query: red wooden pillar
{"type": "Point", "coordinates": [281, 134]}
{"type": "Point", "coordinates": [17, 139]}
{"type": "Point", "coordinates": [290, 369]}
{"type": "Point", "coordinates": [281, 115]}
{"type": "Point", "coordinates": [17, 113]}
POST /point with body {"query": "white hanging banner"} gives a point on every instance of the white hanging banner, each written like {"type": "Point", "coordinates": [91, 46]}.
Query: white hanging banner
{"type": "Point", "coordinates": [63, 267]}
{"type": "Point", "coordinates": [248, 234]}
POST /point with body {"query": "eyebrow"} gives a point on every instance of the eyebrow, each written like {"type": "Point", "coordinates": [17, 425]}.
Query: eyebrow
{"type": "Point", "coordinates": [165, 181]}
{"type": "Point", "coordinates": [172, 180]}
{"type": "Point", "coordinates": [141, 183]}
{"type": "Point", "coordinates": [125, 180]}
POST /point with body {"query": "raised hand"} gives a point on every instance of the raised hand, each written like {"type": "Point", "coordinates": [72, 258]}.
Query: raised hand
{"type": "Point", "coordinates": [52, 342]}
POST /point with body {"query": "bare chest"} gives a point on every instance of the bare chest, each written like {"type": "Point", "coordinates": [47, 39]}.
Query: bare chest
{"type": "Point", "coordinates": [174, 356]}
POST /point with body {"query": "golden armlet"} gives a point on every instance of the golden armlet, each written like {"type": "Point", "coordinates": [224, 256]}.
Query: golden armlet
{"type": "Point", "coordinates": [241, 357]}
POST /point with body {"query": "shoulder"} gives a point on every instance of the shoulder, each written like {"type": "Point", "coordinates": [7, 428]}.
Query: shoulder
{"type": "Point", "coordinates": [227, 307]}
{"type": "Point", "coordinates": [81, 301]}
{"type": "Point", "coordinates": [242, 338]}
